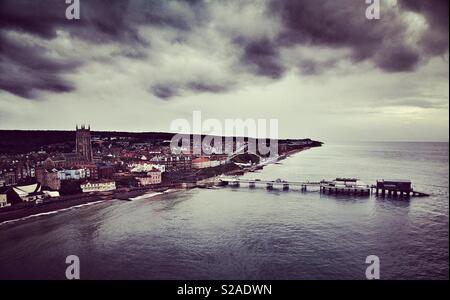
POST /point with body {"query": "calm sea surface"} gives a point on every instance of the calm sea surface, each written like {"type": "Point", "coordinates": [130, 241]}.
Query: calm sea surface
{"type": "Point", "coordinates": [230, 233]}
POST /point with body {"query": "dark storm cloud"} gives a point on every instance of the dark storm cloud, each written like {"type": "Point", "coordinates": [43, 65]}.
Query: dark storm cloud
{"type": "Point", "coordinates": [35, 17]}
{"type": "Point", "coordinates": [26, 69]}
{"type": "Point", "coordinates": [342, 24]}
{"type": "Point", "coordinates": [435, 40]}
{"type": "Point", "coordinates": [101, 21]}
{"type": "Point", "coordinates": [262, 57]}
{"type": "Point", "coordinates": [164, 91]}
{"type": "Point", "coordinates": [168, 90]}
{"type": "Point", "coordinates": [305, 23]}
{"type": "Point", "coordinates": [398, 58]}
{"type": "Point", "coordinates": [312, 67]}
{"type": "Point", "coordinates": [209, 87]}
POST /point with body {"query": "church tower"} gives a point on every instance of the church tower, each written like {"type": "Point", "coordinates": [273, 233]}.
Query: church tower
{"type": "Point", "coordinates": [83, 142]}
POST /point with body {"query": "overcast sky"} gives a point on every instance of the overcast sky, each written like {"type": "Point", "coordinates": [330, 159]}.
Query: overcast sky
{"type": "Point", "coordinates": [319, 67]}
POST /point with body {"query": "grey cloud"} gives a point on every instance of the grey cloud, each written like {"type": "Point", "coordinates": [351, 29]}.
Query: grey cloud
{"type": "Point", "coordinates": [307, 23]}
{"type": "Point", "coordinates": [208, 87]}
{"type": "Point", "coordinates": [342, 24]}
{"type": "Point", "coordinates": [164, 91]}
{"type": "Point", "coordinates": [168, 90]}
{"type": "Point", "coordinates": [26, 69]}
{"type": "Point", "coordinates": [435, 40]}
{"type": "Point", "coordinates": [397, 59]}
{"type": "Point", "coordinates": [262, 57]}
{"type": "Point", "coordinates": [420, 103]}
{"type": "Point", "coordinates": [101, 21]}
{"type": "Point", "coordinates": [313, 67]}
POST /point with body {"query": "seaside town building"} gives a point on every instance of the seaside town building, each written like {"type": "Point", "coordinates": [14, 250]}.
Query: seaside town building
{"type": "Point", "coordinates": [173, 163]}
{"type": "Point", "coordinates": [98, 186]}
{"type": "Point", "coordinates": [71, 159]}
{"type": "Point", "coordinates": [22, 193]}
{"type": "Point", "coordinates": [8, 177]}
{"type": "Point", "coordinates": [3, 200]}
{"type": "Point", "coordinates": [105, 171]}
{"type": "Point", "coordinates": [30, 192]}
{"type": "Point", "coordinates": [83, 144]}
{"type": "Point", "coordinates": [51, 194]}
{"type": "Point", "coordinates": [24, 170]}
{"type": "Point", "coordinates": [206, 162]}
{"type": "Point", "coordinates": [90, 169]}
{"type": "Point", "coordinates": [140, 167]}
{"type": "Point", "coordinates": [48, 178]}
{"type": "Point", "coordinates": [54, 162]}
{"type": "Point", "coordinates": [83, 151]}
{"type": "Point", "coordinates": [153, 177]}
{"type": "Point", "coordinates": [71, 174]}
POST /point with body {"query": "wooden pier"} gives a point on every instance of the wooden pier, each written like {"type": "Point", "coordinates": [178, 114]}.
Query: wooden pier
{"type": "Point", "coordinates": [269, 184]}
{"type": "Point", "coordinates": [344, 186]}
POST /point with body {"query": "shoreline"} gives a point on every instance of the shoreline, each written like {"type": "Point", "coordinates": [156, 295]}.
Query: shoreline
{"type": "Point", "coordinates": [56, 206]}
{"type": "Point", "coordinates": [66, 202]}
{"type": "Point", "coordinates": [47, 208]}
{"type": "Point", "coordinates": [124, 194]}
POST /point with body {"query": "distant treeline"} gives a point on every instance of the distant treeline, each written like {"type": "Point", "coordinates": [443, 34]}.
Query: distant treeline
{"type": "Point", "coordinates": [24, 141]}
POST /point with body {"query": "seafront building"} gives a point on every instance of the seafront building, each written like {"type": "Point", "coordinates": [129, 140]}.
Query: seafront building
{"type": "Point", "coordinates": [3, 200]}
{"type": "Point", "coordinates": [152, 177]}
{"type": "Point", "coordinates": [98, 186]}
{"type": "Point", "coordinates": [207, 162]}
{"type": "Point", "coordinates": [48, 178]}
{"type": "Point", "coordinates": [173, 163]}
{"type": "Point", "coordinates": [7, 177]}
{"type": "Point", "coordinates": [21, 193]}
{"type": "Point", "coordinates": [71, 174]}
{"type": "Point", "coordinates": [140, 167]}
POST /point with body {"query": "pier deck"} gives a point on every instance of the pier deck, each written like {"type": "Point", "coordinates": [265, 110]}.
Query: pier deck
{"type": "Point", "coordinates": [270, 184]}
{"type": "Point", "coordinates": [348, 186]}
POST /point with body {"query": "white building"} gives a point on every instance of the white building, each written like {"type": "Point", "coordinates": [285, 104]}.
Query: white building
{"type": "Point", "coordinates": [31, 192]}
{"type": "Point", "coordinates": [3, 202]}
{"type": "Point", "coordinates": [145, 167]}
{"type": "Point", "coordinates": [153, 177]}
{"type": "Point", "coordinates": [98, 186]}
{"type": "Point", "coordinates": [51, 194]}
{"type": "Point", "coordinates": [72, 174]}
{"type": "Point", "coordinates": [205, 162]}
